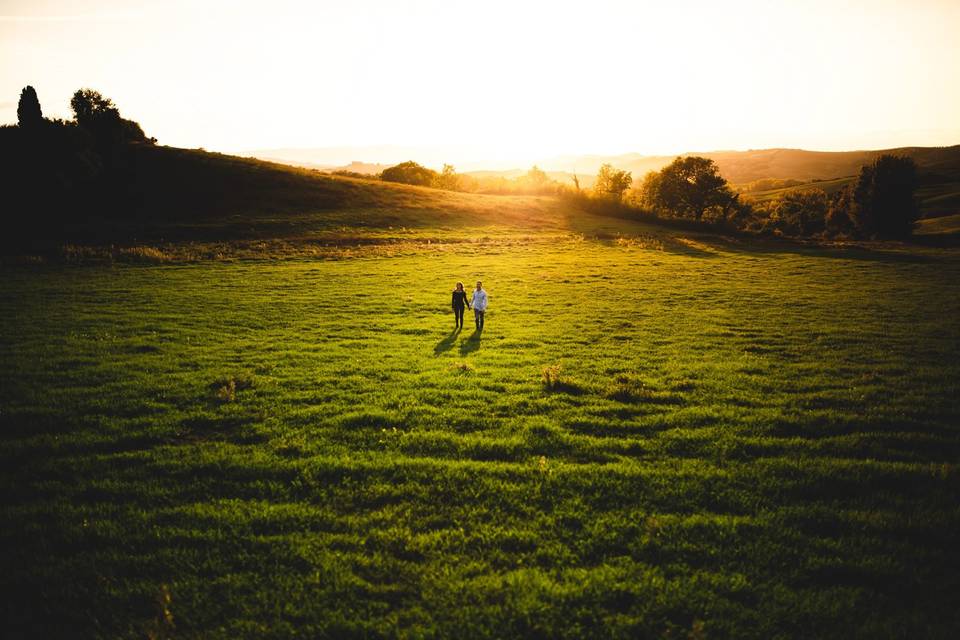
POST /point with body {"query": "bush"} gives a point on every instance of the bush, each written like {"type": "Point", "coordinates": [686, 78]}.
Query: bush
{"type": "Point", "coordinates": [796, 213]}
{"type": "Point", "coordinates": [410, 173]}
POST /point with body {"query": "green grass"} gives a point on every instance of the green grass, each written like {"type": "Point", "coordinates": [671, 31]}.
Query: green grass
{"type": "Point", "coordinates": [654, 436]}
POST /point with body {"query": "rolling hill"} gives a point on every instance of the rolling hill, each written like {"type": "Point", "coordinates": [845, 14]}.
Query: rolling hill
{"type": "Point", "coordinates": [828, 170]}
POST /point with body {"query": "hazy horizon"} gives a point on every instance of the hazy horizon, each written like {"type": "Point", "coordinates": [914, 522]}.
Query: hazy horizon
{"type": "Point", "coordinates": [499, 84]}
{"type": "Point", "coordinates": [436, 157]}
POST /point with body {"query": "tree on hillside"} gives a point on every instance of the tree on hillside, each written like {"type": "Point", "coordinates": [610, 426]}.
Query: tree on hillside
{"type": "Point", "coordinates": [97, 114]}
{"type": "Point", "coordinates": [28, 109]}
{"type": "Point", "coordinates": [91, 106]}
{"type": "Point", "coordinates": [447, 179]}
{"type": "Point", "coordinates": [537, 177]}
{"type": "Point", "coordinates": [612, 183]}
{"type": "Point", "coordinates": [409, 173]}
{"type": "Point", "coordinates": [688, 187]}
{"type": "Point", "coordinates": [883, 203]}
{"type": "Point", "coordinates": [536, 181]}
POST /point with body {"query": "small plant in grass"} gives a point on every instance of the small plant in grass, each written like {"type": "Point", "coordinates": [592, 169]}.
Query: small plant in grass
{"type": "Point", "coordinates": [461, 367]}
{"type": "Point", "coordinates": [226, 389]}
{"type": "Point", "coordinates": [552, 376]}
{"type": "Point", "coordinates": [389, 438]}
{"type": "Point", "coordinates": [555, 380]}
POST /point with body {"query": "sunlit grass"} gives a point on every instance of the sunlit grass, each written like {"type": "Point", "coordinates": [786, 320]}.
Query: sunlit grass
{"type": "Point", "coordinates": [670, 436]}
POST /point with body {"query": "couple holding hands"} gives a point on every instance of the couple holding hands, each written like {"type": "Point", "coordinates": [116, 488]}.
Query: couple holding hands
{"type": "Point", "coordinates": [478, 303]}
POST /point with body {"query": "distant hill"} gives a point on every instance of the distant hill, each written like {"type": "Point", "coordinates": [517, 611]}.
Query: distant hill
{"type": "Point", "coordinates": [747, 166]}
{"type": "Point", "coordinates": [736, 166]}
{"type": "Point", "coordinates": [364, 168]}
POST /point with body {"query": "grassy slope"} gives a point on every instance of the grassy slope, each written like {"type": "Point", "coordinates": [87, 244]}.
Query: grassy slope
{"type": "Point", "coordinates": [188, 194]}
{"type": "Point", "coordinates": [745, 441]}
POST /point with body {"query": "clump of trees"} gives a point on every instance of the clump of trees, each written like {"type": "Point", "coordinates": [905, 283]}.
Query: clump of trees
{"type": "Point", "coordinates": [795, 213]}
{"type": "Point", "coordinates": [689, 187]}
{"type": "Point", "coordinates": [55, 171]}
{"type": "Point", "coordinates": [612, 183]}
{"type": "Point", "coordinates": [879, 204]}
{"type": "Point", "coordinates": [410, 173]}
{"type": "Point", "coordinates": [98, 115]}
{"type": "Point", "coordinates": [534, 182]}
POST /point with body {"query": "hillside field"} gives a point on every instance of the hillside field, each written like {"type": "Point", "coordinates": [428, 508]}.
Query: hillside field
{"type": "Point", "coordinates": [260, 423]}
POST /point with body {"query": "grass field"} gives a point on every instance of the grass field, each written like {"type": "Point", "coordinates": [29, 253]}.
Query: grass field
{"type": "Point", "coordinates": [656, 435]}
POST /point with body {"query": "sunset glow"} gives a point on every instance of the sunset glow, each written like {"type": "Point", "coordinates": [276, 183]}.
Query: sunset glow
{"type": "Point", "coordinates": [500, 82]}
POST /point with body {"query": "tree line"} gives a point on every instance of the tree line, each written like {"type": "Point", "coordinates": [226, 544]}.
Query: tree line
{"type": "Point", "coordinates": [880, 203]}
{"type": "Point", "coordinates": [533, 182]}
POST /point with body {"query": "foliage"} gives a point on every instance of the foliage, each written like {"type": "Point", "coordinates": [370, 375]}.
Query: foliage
{"type": "Point", "coordinates": [410, 173]}
{"type": "Point", "coordinates": [837, 221]}
{"type": "Point", "coordinates": [98, 115]}
{"type": "Point", "coordinates": [447, 179]}
{"type": "Point", "coordinates": [800, 213]}
{"type": "Point", "coordinates": [29, 114]}
{"type": "Point", "coordinates": [611, 182]}
{"type": "Point", "coordinates": [534, 182]}
{"type": "Point", "coordinates": [882, 199]}
{"type": "Point", "coordinates": [689, 187]}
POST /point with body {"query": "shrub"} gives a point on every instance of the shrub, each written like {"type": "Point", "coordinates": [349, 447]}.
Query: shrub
{"type": "Point", "coordinates": [410, 173]}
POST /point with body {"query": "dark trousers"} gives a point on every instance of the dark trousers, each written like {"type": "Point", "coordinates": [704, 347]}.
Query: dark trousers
{"type": "Point", "coordinates": [478, 316]}
{"type": "Point", "coordinates": [458, 315]}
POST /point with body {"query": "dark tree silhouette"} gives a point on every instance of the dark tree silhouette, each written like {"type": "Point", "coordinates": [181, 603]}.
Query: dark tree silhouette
{"type": "Point", "coordinates": [89, 106]}
{"type": "Point", "coordinates": [883, 203]}
{"type": "Point", "coordinates": [688, 187]}
{"type": "Point", "coordinates": [29, 114]}
{"type": "Point", "coordinates": [98, 115]}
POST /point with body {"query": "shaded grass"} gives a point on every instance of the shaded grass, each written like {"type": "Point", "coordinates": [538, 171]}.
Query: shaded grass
{"type": "Point", "coordinates": [740, 443]}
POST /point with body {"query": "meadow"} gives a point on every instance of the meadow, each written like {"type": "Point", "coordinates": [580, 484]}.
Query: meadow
{"type": "Point", "coordinates": [658, 434]}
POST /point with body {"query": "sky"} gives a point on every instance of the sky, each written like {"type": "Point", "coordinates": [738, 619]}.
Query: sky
{"type": "Point", "coordinates": [498, 82]}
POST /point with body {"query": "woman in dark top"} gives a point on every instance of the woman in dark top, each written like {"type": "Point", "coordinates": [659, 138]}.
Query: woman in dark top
{"type": "Point", "coordinates": [459, 302]}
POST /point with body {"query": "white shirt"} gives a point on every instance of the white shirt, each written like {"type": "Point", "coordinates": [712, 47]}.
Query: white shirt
{"type": "Point", "coordinates": [479, 301]}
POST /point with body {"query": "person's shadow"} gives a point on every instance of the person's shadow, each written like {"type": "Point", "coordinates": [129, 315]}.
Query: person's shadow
{"type": "Point", "coordinates": [447, 343]}
{"type": "Point", "coordinates": [472, 343]}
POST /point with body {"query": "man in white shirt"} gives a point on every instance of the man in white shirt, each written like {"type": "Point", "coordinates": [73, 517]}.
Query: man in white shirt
{"type": "Point", "coordinates": [479, 305]}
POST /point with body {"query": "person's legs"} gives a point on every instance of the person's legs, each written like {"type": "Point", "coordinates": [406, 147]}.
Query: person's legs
{"type": "Point", "coordinates": [458, 316]}
{"type": "Point", "coordinates": [478, 316]}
